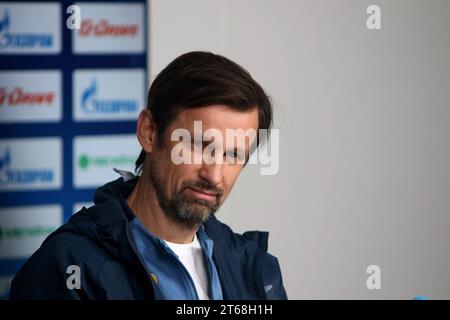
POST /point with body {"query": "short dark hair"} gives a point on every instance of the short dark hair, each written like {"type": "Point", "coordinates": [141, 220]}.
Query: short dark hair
{"type": "Point", "coordinates": [198, 79]}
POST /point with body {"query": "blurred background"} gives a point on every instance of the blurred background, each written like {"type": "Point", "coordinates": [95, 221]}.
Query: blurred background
{"type": "Point", "coordinates": [363, 115]}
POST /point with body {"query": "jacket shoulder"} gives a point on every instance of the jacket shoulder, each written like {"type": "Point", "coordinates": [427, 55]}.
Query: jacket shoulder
{"type": "Point", "coordinates": [45, 274]}
{"type": "Point", "coordinates": [253, 245]}
{"type": "Point", "coordinates": [220, 231]}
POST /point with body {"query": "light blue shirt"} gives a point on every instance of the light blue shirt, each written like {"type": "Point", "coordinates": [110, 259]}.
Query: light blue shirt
{"type": "Point", "coordinates": [167, 271]}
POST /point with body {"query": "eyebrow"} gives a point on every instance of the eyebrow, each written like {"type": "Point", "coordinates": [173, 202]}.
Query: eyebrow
{"type": "Point", "coordinates": [246, 154]}
{"type": "Point", "coordinates": [234, 149]}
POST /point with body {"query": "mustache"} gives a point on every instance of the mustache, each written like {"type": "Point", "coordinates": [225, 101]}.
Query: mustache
{"type": "Point", "coordinates": [204, 186]}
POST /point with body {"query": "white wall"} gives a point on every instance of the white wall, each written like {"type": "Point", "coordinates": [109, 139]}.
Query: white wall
{"type": "Point", "coordinates": [364, 121]}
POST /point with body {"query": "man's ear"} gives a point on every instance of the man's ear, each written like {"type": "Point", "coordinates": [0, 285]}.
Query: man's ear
{"type": "Point", "coordinates": [146, 131]}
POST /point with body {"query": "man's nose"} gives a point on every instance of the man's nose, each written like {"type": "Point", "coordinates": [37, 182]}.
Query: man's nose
{"type": "Point", "coordinates": [213, 173]}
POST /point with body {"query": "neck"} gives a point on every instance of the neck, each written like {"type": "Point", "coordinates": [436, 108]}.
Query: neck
{"type": "Point", "coordinates": [144, 204]}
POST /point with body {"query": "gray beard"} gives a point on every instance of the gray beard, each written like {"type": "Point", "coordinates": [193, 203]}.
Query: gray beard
{"type": "Point", "coordinates": [189, 213]}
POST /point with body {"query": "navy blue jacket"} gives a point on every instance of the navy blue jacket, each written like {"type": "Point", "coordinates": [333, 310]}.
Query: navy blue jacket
{"type": "Point", "coordinates": [97, 239]}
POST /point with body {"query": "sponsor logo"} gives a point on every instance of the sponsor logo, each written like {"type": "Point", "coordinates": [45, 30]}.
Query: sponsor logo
{"type": "Point", "coordinates": [90, 103]}
{"type": "Point", "coordinates": [96, 156]}
{"type": "Point", "coordinates": [24, 232]}
{"type": "Point", "coordinates": [19, 96]}
{"type": "Point", "coordinates": [110, 28]}
{"type": "Point", "coordinates": [24, 176]}
{"type": "Point", "coordinates": [21, 40]}
{"type": "Point", "coordinates": [85, 161]}
{"type": "Point", "coordinates": [30, 163]}
{"type": "Point", "coordinates": [22, 229]}
{"type": "Point", "coordinates": [30, 96]}
{"type": "Point", "coordinates": [104, 28]}
{"type": "Point", "coordinates": [108, 94]}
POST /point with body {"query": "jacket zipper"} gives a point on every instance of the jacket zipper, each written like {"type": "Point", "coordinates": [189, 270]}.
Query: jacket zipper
{"type": "Point", "coordinates": [156, 291]}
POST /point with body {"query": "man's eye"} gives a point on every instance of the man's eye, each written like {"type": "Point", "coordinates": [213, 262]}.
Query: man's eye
{"type": "Point", "coordinates": [234, 155]}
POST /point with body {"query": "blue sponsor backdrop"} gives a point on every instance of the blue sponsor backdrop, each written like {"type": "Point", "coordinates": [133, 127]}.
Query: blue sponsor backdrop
{"type": "Point", "coordinates": [66, 61]}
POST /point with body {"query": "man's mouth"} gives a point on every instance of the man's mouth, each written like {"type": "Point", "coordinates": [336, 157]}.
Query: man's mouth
{"type": "Point", "coordinates": [202, 194]}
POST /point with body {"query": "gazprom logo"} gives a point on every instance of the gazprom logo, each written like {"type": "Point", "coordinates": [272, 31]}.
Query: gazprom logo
{"type": "Point", "coordinates": [21, 40]}
{"type": "Point", "coordinates": [24, 176]}
{"type": "Point", "coordinates": [90, 103]}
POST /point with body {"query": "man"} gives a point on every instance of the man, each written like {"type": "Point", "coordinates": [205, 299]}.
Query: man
{"type": "Point", "coordinates": [154, 235]}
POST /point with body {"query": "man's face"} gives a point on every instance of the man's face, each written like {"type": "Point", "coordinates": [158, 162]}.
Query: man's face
{"type": "Point", "coordinates": [190, 192]}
